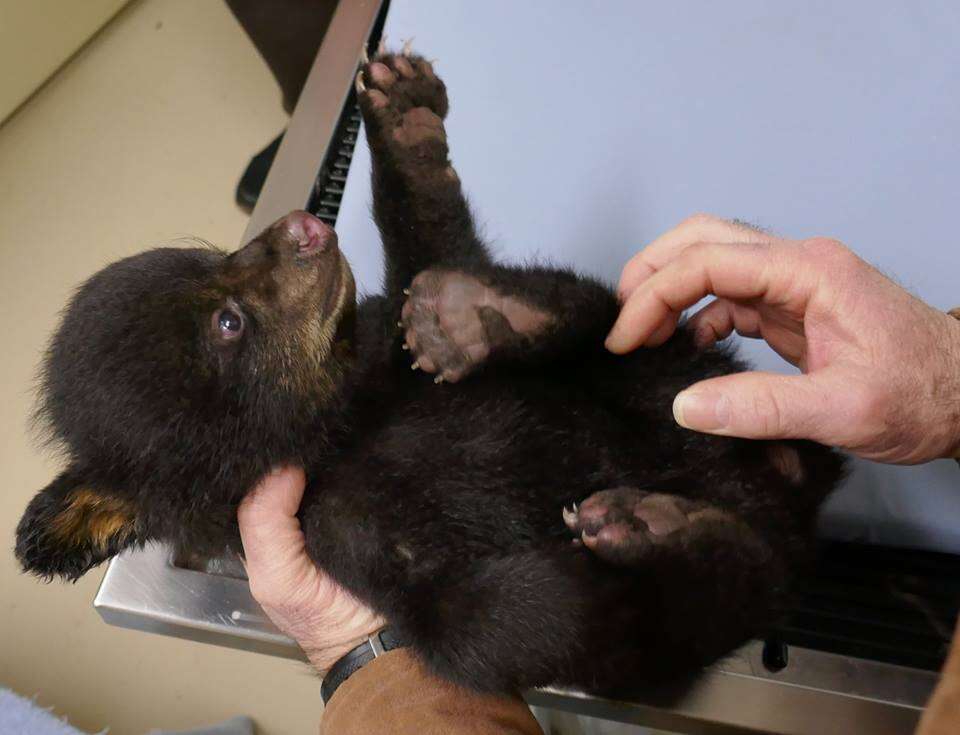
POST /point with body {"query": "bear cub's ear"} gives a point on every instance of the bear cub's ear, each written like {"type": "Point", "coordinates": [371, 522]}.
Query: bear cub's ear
{"type": "Point", "coordinates": [71, 526]}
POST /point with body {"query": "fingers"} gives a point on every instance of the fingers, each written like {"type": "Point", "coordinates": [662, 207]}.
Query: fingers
{"type": "Point", "coordinates": [782, 330]}
{"type": "Point", "coordinates": [273, 543]}
{"type": "Point", "coordinates": [721, 318]}
{"type": "Point", "coordinates": [300, 599]}
{"type": "Point", "coordinates": [755, 405]}
{"type": "Point", "coordinates": [698, 228]}
{"type": "Point", "coordinates": [276, 498]}
{"type": "Point", "coordinates": [734, 271]}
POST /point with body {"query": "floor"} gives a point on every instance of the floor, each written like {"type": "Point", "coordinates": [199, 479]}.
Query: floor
{"type": "Point", "coordinates": [138, 141]}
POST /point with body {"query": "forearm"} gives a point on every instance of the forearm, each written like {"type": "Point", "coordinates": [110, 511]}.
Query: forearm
{"type": "Point", "coordinates": [395, 694]}
{"type": "Point", "coordinates": [955, 313]}
{"type": "Point", "coordinates": [942, 714]}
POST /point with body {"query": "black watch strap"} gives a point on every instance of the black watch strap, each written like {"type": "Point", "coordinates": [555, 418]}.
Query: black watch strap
{"type": "Point", "coordinates": [376, 645]}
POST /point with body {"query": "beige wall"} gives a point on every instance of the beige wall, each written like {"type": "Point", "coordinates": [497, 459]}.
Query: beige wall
{"type": "Point", "coordinates": [137, 141]}
{"type": "Point", "coordinates": [37, 36]}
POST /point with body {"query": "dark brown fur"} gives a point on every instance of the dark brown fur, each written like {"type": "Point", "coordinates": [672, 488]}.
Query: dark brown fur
{"type": "Point", "coordinates": [441, 506]}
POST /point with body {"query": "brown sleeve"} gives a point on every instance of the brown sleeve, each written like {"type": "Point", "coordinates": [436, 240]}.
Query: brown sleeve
{"type": "Point", "coordinates": [394, 694]}
{"type": "Point", "coordinates": [942, 716]}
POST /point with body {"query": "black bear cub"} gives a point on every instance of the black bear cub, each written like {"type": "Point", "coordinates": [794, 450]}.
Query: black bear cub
{"type": "Point", "coordinates": [520, 505]}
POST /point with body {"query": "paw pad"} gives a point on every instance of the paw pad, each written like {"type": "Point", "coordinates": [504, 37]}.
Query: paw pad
{"type": "Point", "coordinates": [391, 85]}
{"type": "Point", "coordinates": [623, 525]}
{"type": "Point", "coordinates": [453, 321]}
{"type": "Point", "coordinates": [442, 323]}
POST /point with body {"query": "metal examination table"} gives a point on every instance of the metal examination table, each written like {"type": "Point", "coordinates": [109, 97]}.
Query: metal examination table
{"type": "Point", "coordinates": [581, 133]}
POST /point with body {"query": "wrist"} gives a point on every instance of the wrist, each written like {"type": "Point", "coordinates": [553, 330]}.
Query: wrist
{"type": "Point", "coordinates": [321, 658]}
{"type": "Point", "coordinates": [333, 639]}
{"type": "Point", "coordinates": [342, 623]}
{"type": "Point", "coordinates": [343, 668]}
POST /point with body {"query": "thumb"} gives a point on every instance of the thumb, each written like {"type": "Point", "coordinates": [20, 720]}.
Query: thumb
{"type": "Point", "coordinates": [753, 405]}
{"type": "Point", "coordinates": [273, 542]}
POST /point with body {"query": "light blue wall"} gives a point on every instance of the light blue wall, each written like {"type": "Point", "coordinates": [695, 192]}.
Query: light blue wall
{"type": "Point", "coordinates": [583, 130]}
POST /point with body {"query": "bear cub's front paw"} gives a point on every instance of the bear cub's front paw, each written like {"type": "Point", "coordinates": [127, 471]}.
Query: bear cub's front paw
{"type": "Point", "coordinates": [403, 104]}
{"type": "Point", "coordinates": [452, 321]}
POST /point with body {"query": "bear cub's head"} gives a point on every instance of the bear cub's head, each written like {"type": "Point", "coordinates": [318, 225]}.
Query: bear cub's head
{"type": "Point", "coordinates": [176, 378]}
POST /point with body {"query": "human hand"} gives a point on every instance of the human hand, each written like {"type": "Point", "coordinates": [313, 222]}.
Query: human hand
{"type": "Point", "coordinates": [302, 601]}
{"type": "Point", "coordinates": [881, 369]}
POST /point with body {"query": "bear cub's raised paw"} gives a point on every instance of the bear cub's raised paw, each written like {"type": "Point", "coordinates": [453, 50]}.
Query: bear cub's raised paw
{"type": "Point", "coordinates": [405, 104]}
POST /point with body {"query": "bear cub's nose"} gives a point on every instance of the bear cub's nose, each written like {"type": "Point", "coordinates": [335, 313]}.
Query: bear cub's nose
{"type": "Point", "coordinates": [311, 234]}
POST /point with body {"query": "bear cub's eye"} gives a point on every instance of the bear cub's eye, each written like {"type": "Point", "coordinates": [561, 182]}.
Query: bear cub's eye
{"type": "Point", "coordinates": [228, 323]}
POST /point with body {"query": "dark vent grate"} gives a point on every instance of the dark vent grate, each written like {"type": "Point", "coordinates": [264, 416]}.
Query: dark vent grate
{"type": "Point", "coordinates": [898, 606]}
{"type": "Point", "coordinates": [328, 188]}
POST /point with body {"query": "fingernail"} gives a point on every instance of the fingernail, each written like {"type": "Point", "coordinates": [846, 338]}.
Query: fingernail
{"type": "Point", "coordinates": [701, 411]}
{"type": "Point", "coordinates": [612, 341]}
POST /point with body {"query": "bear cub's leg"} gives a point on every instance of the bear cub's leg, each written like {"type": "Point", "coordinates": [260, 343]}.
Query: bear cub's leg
{"type": "Point", "coordinates": [418, 204]}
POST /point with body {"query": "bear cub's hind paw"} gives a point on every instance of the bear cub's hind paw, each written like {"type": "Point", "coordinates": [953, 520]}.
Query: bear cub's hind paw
{"type": "Point", "coordinates": [624, 525]}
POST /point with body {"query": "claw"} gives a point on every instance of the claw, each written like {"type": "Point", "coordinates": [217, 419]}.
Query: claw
{"type": "Point", "coordinates": [400, 324]}
{"type": "Point", "coordinates": [361, 87]}
{"type": "Point", "coordinates": [437, 380]}
{"type": "Point", "coordinates": [588, 541]}
{"type": "Point", "coordinates": [364, 56]}
{"type": "Point", "coordinates": [405, 346]}
{"type": "Point", "coordinates": [575, 508]}
{"type": "Point", "coordinates": [415, 366]}
{"type": "Point", "coordinates": [407, 292]}
{"type": "Point", "coordinates": [570, 517]}
{"type": "Point", "coordinates": [407, 47]}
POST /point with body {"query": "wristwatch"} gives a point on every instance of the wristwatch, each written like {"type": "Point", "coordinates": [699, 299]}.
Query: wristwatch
{"type": "Point", "coordinates": [376, 645]}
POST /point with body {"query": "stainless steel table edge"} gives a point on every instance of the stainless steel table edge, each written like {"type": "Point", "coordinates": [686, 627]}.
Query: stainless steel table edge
{"type": "Point", "coordinates": [883, 698]}
{"type": "Point", "coordinates": [817, 693]}
{"type": "Point", "coordinates": [144, 590]}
